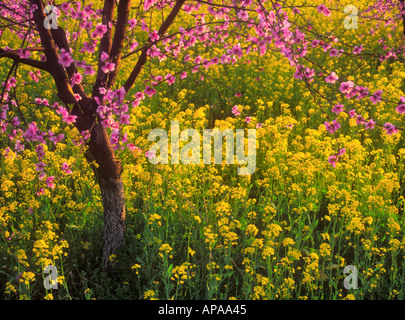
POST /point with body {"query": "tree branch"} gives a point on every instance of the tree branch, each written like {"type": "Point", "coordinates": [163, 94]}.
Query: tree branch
{"type": "Point", "coordinates": [143, 57]}
{"type": "Point", "coordinates": [105, 45]}
{"type": "Point", "coordinates": [30, 62]}
{"type": "Point", "coordinates": [81, 109]}
{"type": "Point", "coordinates": [120, 31]}
{"type": "Point", "coordinates": [15, 64]}
{"type": "Point", "coordinates": [60, 39]}
{"type": "Point", "coordinates": [57, 71]}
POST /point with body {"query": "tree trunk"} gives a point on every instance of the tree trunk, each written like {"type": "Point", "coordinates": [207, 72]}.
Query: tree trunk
{"type": "Point", "coordinates": [112, 192]}
{"type": "Point", "coordinates": [108, 172]}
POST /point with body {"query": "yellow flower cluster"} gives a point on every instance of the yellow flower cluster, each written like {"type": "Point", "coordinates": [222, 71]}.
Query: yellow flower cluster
{"type": "Point", "coordinates": [184, 272]}
{"type": "Point", "coordinates": [48, 248]}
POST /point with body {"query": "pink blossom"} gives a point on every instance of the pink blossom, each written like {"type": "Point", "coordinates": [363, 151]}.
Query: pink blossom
{"type": "Point", "coordinates": [108, 122]}
{"type": "Point", "coordinates": [243, 15]}
{"type": "Point", "coordinates": [15, 122]}
{"type": "Point", "coordinates": [133, 147]}
{"type": "Point", "coordinates": [69, 119]}
{"type": "Point", "coordinates": [150, 154]}
{"type": "Point", "coordinates": [40, 151]}
{"type": "Point", "coordinates": [66, 168]}
{"type": "Point", "coordinates": [19, 146]}
{"type": "Point", "coordinates": [357, 49]}
{"type": "Point", "coordinates": [237, 51]}
{"type": "Point", "coordinates": [341, 152]}
{"type": "Point", "coordinates": [332, 78]}
{"type": "Point", "coordinates": [326, 46]}
{"type": "Point", "coordinates": [153, 51]}
{"type": "Point", "coordinates": [33, 76]}
{"type": "Point", "coordinates": [31, 134]}
{"type": "Point", "coordinates": [88, 70]}
{"type": "Point", "coordinates": [334, 52]}
{"type": "Point", "coordinates": [44, 102]}
{"type": "Point", "coordinates": [24, 53]}
{"type": "Point", "coordinates": [76, 78]}
{"type": "Point", "coordinates": [390, 128]}
{"type": "Point", "coordinates": [89, 47]}
{"type": "Point", "coordinates": [315, 43]}
{"type": "Point", "coordinates": [361, 91]}
{"type": "Point", "coordinates": [12, 82]}
{"type": "Point", "coordinates": [104, 56]}
{"type": "Point", "coordinates": [338, 108]}
{"type": "Point", "coordinates": [246, 3]}
{"type": "Point", "coordinates": [85, 134]}
{"type": "Point", "coordinates": [40, 166]}
{"type": "Point", "coordinates": [331, 128]}
{"type": "Point", "coordinates": [401, 106]}
{"type": "Point", "coordinates": [235, 111]}
{"type": "Point", "coordinates": [140, 95]}
{"type": "Point", "coordinates": [40, 192]}
{"type": "Point", "coordinates": [346, 87]}
{"type": "Point", "coordinates": [132, 23]}
{"type": "Point", "coordinates": [65, 58]}
{"type": "Point", "coordinates": [114, 138]}
{"type": "Point", "coordinates": [108, 67]}
{"type": "Point", "coordinates": [376, 97]}
{"type": "Point", "coordinates": [248, 119]}
{"type": "Point", "coordinates": [154, 35]}
{"type": "Point", "coordinates": [100, 30]}
{"type": "Point", "coordinates": [309, 73]}
{"type": "Point", "coordinates": [150, 91]}
{"type": "Point", "coordinates": [144, 26]}
{"type": "Point", "coordinates": [56, 138]}
{"type": "Point", "coordinates": [360, 120]}
{"type": "Point", "coordinates": [170, 79]}
{"type": "Point", "coordinates": [124, 119]}
{"type": "Point", "coordinates": [49, 182]}
{"type": "Point", "coordinates": [370, 124]}
{"type": "Point", "coordinates": [323, 9]}
{"type": "Point", "coordinates": [133, 46]}
{"type": "Point", "coordinates": [332, 160]}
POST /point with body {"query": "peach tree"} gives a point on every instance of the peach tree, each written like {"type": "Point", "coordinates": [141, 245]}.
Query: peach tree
{"type": "Point", "coordinates": [95, 53]}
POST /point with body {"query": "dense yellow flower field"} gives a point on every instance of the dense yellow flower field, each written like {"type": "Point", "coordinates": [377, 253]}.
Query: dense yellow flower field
{"type": "Point", "coordinates": [202, 231]}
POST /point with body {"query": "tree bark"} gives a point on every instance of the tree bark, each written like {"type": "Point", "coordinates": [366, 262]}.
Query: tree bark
{"type": "Point", "coordinates": [112, 192]}
{"type": "Point", "coordinates": [108, 172]}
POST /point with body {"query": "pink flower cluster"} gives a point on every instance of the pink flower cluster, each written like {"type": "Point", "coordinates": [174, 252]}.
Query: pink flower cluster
{"type": "Point", "coordinates": [323, 9]}
{"type": "Point", "coordinates": [268, 29]}
{"type": "Point", "coordinates": [334, 158]}
{"type": "Point", "coordinates": [332, 127]}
